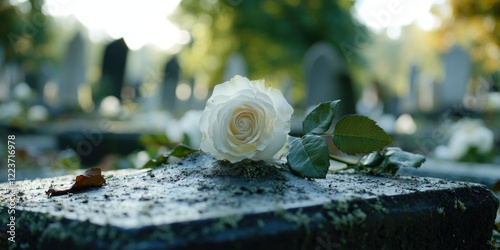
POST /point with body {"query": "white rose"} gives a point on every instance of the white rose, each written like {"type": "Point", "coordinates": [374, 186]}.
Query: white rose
{"type": "Point", "coordinates": [244, 119]}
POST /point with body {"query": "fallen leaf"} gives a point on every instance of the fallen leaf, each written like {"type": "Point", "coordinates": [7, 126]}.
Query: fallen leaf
{"type": "Point", "coordinates": [91, 178]}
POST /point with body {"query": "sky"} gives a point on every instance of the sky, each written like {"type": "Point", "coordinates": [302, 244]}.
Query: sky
{"type": "Point", "coordinates": [391, 16]}
{"type": "Point", "coordinates": [146, 22]}
{"type": "Point", "coordinates": [138, 22]}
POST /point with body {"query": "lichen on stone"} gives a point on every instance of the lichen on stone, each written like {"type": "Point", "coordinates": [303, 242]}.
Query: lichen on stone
{"type": "Point", "coordinates": [460, 205]}
{"type": "Point", "coordinates": [440, 211]}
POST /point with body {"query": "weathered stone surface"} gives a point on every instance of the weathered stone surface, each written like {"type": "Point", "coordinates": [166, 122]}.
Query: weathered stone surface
{"type": "Point", "coordinates": [205, 204]}
{"type": "Point", "coordinates": [486, 174]}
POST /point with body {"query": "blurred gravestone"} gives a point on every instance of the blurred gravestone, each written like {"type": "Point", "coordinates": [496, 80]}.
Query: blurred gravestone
{"type": "Point", "coordinates": [46, 73]}
{"type": "Point", "coordinates": [73, 73]}
{"type": "Point", "coordinates": [235, 65]}
{"type": "Point", "coordinates": [410, 103]}
{"type": "Point", "coordinates": [457, 72]}
{"type": "Point", "coordinates": [2, 55]}
{"type": "Point", "coordinates": [287, 88]}
{"type": "Point", "coordinates": [327, 79]}
{"type": "Point", "coordinates": [11, 74]}
{"type": "Point", "coordinates": [170, 80]}
{"type": "Point", "coordinates": [4, 84]}
{"type": "Point", "coordinates": [113, 70]}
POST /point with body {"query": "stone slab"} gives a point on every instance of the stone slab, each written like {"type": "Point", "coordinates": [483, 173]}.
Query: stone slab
{"type": "Point", "coordinates": [486, 174]}
{"type": "Point", "coordinates": [201, 203]}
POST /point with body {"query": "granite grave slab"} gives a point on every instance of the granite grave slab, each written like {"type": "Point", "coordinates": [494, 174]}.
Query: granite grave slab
{"type": "Point", "coordinates": [201, 203]}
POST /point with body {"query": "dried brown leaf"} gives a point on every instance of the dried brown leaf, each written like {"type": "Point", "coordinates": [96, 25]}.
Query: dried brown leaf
{"type": "Point", "coordinates": [91, 178]}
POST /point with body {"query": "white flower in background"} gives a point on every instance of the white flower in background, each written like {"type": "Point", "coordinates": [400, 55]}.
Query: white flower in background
{"type": "Point", "coordinates": [190, 125]}
{"type": "Point", "coordinates": [10, 110]}
{"type": "Point", "coordinates": [245, 119]}
{"type": "Point", "coordinates": [141, 158]}
{"type": "Point", "coordinates": [21, 91]}
{"type": "Point", "coordinates": [38, 113]}
{"type": "Point", "coordinates": [110, 106]}
{"type": "Point", "coordinates": [468, 134]}
{"type": "Point", "coordinates": [493, 101]}
{"type": "Point", "coordinates": [187, 125]}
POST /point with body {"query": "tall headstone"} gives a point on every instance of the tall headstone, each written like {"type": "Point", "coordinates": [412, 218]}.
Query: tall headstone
{"type": "Point", "coordinates": [457, 68]}
{"type": "Point", "coordinates": [11, 74]}
{"type": "Point", "coordinates": [327, 78]}
{"type": "Point", "coordinates": [411, 100]}
{"type": "Point", "coordinates": [73, 72]}
{"type": "Point", "coordinates": [235, 65]}
{"type": "Point", "coordinates": [2, 55]}
{"type": "Point", "coordinates": [170, 79]}
{"type": "Point", "coordinates": [113, 69]}
{"type": "Point", "coordinates": [4, 84]}
{"type": "Point", "coordinates": [426, 93]}
{"type": "Point", "coordinates": [287, 89]}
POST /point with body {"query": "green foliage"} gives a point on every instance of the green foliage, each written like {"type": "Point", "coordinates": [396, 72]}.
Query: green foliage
{"type": "Point", "coordinates": [180, 151]}
{"type": "Point", "coordinates": [23, 33]}
{"type": "Point", "coordinates": [68, 159]}
{"type": "Point", "coordinates": [355, 134]}
{"type": "Point", "coordinates": [273, 36]}
{"type": "Point", "coordinates": [308, 156]}
{"type": "Point", "coordinates": [388, 161]}
{"type": "Point", "coordinates": [320, 119]}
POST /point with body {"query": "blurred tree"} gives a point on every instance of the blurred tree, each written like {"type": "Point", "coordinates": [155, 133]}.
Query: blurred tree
{"type": "Point", "coordinates": [476, 26]}
{"type": "Point", "coordinates": [390, 60]}
{"type": "Point", "coordinates": [273, 36]}
{"type": "Point", "coordinates": [23, 32]}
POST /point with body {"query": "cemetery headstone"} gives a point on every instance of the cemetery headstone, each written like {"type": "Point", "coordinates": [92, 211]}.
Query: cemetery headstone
{"type": "Point", "coordinates": [426, 95]}
{"type": "Point", "coordinates": [327, 78]}
{"type": "Point", "coordinates": [2, 55]}
{"type": "Point", "coordinates": [46, 73]}
{"type": "Point", "coordinates": [201, 203]}
{"type": "Point", "coordinates": [235, 65]}
{"type": "Point", "coordinates": [410, 101]}
{"type": "Point", "coordinates": [73, 73]}
{"type": "Point", "coordinates": [457, 67]}
{"type": "Point", "coordinates": [287, 86]}
{"type": "Point", "coordinates": [11, 75]}
{"type": "Point", "coordinates": [4, 85]}
{"type": "Point", "coordinates": [170, 80]}
{"type": "Point", "coordinates": [113, 70]}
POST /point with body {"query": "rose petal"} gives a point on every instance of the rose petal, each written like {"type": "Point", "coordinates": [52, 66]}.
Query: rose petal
{"type": "Point", "coordinates": [245, 119]}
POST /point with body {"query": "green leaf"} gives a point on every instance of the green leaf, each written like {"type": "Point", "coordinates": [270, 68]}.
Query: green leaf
{"type": "Point", "coordinates": [308, 156]}
{"type": "Point", "coordinates": [400, 158]}
{"type": "Point", "coordinates": [356, 134]}
{"type": "Point", "coordinates": [389, 161]}
{"type": "Point", "coordinates": [180, 151]}
{"type": "Point", "coordinates": [320, 119]}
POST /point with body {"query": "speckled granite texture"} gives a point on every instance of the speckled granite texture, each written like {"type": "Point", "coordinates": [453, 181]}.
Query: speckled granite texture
{"type": "Point", "coordinates": [202, 203]}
